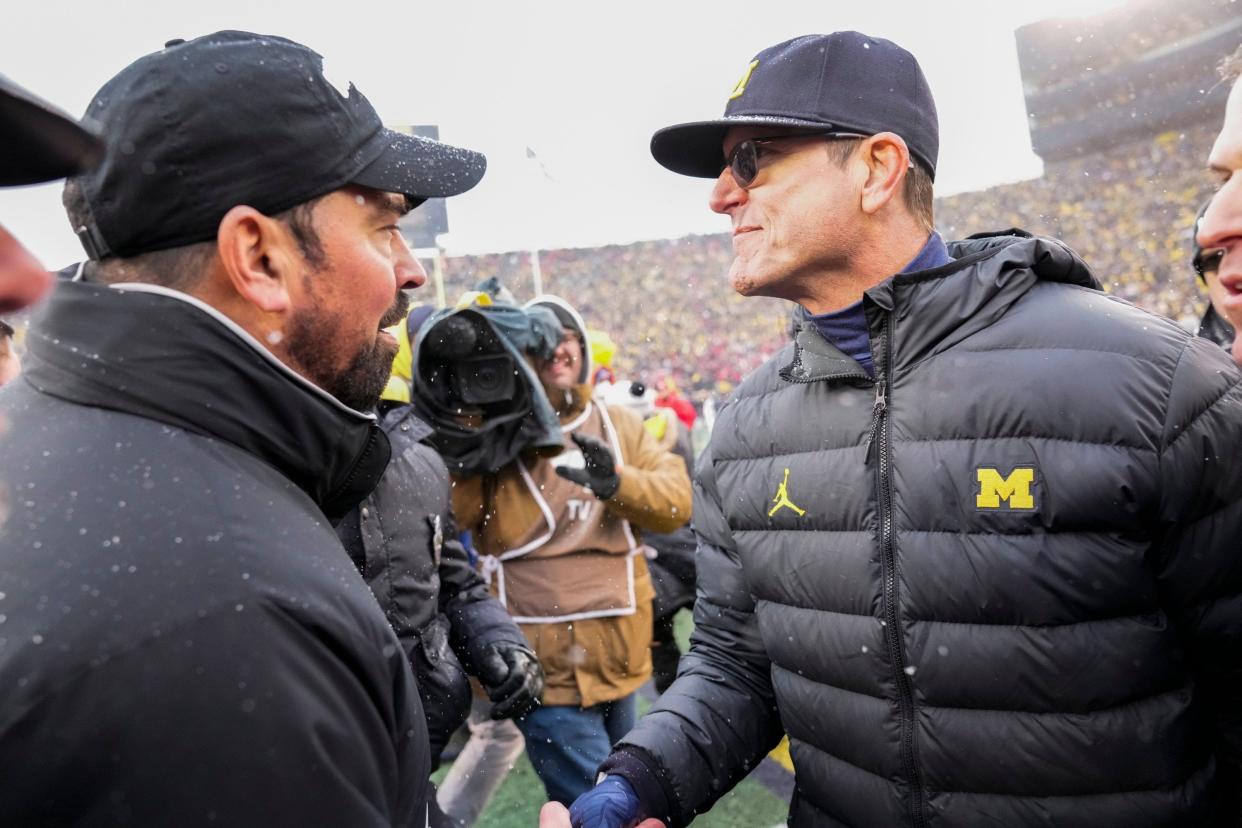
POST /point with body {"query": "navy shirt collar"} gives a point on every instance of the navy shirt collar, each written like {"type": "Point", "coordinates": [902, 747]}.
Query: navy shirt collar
{"type": "Point", "coordinates": [847, 328]}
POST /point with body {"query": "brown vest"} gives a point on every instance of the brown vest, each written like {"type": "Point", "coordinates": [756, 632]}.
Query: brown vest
{"type": "Point", "coordinates": [578, 560]}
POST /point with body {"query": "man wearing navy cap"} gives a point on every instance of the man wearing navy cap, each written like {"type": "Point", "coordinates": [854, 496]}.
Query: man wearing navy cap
{"type": "Point", "coordinates": [971, 540]}
{"type": "Point", "coordinates": [184, 639]}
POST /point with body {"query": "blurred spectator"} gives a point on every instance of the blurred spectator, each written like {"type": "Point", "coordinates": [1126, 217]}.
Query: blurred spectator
{"type": "Point", "coordinates": [10, 364]}
{"type": "Point", "coordinates": [668, 396]}
{"type": "Point", "coordinates": [37, 143]}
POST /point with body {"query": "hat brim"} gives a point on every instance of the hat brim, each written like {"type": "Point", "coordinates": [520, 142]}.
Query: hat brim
{"type": "Point", "coordinates": [420, 168]}
{"type": "Point", "coordinates": [38, 142]}
{"type": "Point", "coordinates": [697, 148]}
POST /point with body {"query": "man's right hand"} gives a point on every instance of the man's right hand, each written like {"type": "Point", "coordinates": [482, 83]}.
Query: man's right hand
{"type": "Point", "coordinates": [555, 815]}
{"type": "Point", "coordinates": [610, 804]}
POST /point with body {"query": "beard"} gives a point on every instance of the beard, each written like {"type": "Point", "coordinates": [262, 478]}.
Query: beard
{"type": "Point", "coordinates": [360, 381]}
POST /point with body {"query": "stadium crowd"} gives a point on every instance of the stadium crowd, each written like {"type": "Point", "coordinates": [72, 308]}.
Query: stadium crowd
{"type": "Point", "coordinates": [1066, 52]}
{"type": "Point", "coordinates": [1128, 211]}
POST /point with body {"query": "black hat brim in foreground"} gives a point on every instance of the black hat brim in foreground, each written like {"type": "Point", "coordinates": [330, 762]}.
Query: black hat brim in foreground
{"type": "Point", "coordinates": [420, 168]}
{"type": "Point", "coordinates": [38, 142]}
{"type": "Point", "coordinates": [697, 148]}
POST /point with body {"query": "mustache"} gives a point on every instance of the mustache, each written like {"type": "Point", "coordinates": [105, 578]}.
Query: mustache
{"type": "Point", "coordinates": [400, 310]}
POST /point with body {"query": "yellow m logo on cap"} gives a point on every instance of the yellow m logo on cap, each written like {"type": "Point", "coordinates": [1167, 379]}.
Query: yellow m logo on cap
{"type": "Point", "coordinates": [1015, 489]}
{"type": "Point", "coordinates": [740, 86]}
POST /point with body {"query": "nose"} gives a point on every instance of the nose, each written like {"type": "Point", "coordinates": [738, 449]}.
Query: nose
{"type": "Point", "coordinates": [1222, 222]}
{"type": "Point", "coordinates": [409, 271]}
{"type": "Point", "coordinates": [726, 194]}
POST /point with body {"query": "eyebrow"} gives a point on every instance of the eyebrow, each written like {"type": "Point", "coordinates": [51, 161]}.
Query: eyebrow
{"type": "Point", "coordinates": [384, 204]}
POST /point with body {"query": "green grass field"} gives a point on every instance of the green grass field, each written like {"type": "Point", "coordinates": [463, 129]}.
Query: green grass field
{"type": "Point", "coordinates": [749, 805]}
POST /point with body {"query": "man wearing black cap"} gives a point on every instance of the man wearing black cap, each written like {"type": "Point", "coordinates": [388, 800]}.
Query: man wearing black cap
{"type": "Point", "coordinates": [185, 641]}
{"type": "Point", "coordinates": [971, 539]}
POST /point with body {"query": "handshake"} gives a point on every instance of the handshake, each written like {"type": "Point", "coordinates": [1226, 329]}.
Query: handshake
{"type": "Point", "coordinates": [610, 804]}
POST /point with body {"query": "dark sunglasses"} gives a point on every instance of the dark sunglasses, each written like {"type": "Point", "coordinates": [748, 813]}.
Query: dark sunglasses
{"type": "Point", "coordinates": [743, 161]}
{"type": "Point", "coordinates": [1205, 261]}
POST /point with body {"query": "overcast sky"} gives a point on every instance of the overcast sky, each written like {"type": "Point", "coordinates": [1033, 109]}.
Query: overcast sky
{"type": "Point", "coordinates": [583, 84]}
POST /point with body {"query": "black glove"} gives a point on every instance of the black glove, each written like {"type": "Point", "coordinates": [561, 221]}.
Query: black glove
{"type": "Point", "coordinates": [665, 657]}
{"type": "Point", "coordinates": [513, 678]}
{"type": "Point", "coordinates": [600, 474]}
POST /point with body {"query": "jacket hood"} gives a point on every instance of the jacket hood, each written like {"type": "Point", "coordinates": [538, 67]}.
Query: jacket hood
{"type": "Point", "coordinates": [165, 356]}
{"type": "Point", "coordinates": [569, 318]}
{"type": "Point", "coordinates": [989, 272]}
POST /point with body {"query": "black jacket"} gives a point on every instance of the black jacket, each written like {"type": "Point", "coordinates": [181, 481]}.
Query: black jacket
{"type": "Point", "coordinates": [1003, 586]}
{"type": "Point", "coordinates": [404, 540]}
{"type": "Point", "coordinates": [184, 641]}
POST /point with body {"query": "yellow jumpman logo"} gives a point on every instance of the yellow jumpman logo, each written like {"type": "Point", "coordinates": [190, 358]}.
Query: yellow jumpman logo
{"type": "Point", "coordinates": [782, 500]}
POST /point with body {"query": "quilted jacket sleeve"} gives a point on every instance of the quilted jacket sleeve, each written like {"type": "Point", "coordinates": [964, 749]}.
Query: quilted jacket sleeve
{"type": "Point", "coordinates": [719, 717]}
{"type": "Point", "coordinates": [1200, 568]}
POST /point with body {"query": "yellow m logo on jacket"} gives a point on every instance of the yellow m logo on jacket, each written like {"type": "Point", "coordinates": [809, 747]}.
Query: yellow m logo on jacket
{"type": "Point", "coordinates": [1015, 489]}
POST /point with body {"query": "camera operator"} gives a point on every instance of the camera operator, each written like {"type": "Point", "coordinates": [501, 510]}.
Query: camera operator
{"type": "Point", "coordinates": [560, 538]}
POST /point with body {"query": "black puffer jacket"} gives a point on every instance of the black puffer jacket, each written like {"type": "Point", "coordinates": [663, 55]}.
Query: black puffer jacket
{"type": "Point", "coordinates": [1004, 584]}
{"type": "Point", "coordinates": [405, 542]}
{"type": "Point", "coordinates": [182, 638]}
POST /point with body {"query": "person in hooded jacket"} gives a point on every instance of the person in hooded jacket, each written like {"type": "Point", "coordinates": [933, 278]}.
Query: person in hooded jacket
{"type": "Point", "coordinates": [560, 538]}
{"type": "Point", "coordinates": [184, 639]}
{"type": "Point", "coordinates": [972, 538]}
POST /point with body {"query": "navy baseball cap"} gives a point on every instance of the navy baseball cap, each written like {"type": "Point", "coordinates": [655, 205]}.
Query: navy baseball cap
{"type": "Point", "coordinates": [841, 82]}
{"type": "Point", "coordinates": [38, 142]}
{"type": "Point", "coordinates": [232, 118]}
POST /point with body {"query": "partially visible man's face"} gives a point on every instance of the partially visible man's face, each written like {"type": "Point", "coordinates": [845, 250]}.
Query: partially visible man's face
{"type": "Point", "coordinates": [793, 225]}
{"type": "Point", "coordinates": [335, 337]}
{"type": "Point", "coordinates": [561, 371]}
{"type": "Point", "coordinates": [10, 365]}
{"type": "Point", "coordinates": [1221, 228]}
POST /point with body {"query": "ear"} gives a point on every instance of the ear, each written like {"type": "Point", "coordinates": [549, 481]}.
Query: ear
{"type": "Point", "coordinates": [888, 160]}
{"type": "Point", "coordinates": [257, 253]}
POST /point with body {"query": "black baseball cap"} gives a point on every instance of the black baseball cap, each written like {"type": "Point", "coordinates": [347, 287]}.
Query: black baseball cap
{"type": "Point", "coordinates": [38, 142]}
{"type": "Point", "coordinates": [232, 118]}
{"type": "Point", "coordinates": [841, 82]}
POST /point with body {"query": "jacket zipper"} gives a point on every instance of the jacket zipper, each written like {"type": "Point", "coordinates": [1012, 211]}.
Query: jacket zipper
{"type": "Point", "coordinates": [877, 416]}
{"type": "Point", "coordinates": [880, 441]}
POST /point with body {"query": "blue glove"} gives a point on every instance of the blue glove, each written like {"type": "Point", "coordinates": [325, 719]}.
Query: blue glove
{"type": "Point", "coordinates": [610, 804]}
